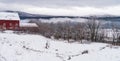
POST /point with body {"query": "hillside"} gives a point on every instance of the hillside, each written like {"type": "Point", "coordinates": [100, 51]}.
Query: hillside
{"type": "Point", "coordinates": [29, 47]}
{"type": "Point", "coordinates": [24, 15]}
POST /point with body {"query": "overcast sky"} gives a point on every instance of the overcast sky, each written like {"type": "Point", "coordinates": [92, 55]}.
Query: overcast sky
{"type": "Point", "coordinates": [63, 7]}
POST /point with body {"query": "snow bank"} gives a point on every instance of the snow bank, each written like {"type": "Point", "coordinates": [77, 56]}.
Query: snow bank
{"type": "Point", "coordinates": [28, 47]}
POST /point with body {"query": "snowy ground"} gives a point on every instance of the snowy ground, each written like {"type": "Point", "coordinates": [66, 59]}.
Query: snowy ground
{"type": "Point", "coordinates": [26, 47]}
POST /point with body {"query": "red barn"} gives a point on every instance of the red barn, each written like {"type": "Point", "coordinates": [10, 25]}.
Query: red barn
{"type": "Point", "coordinates": [9, 21]}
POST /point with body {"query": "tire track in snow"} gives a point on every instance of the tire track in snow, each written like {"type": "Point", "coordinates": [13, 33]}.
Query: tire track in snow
{"type": "Point", "coordinates": [2, 58]}
{"type": "Point", "coordinates": [63, 57]}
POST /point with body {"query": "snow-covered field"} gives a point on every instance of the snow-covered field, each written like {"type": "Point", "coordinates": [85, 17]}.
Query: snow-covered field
{"type": "Point", "coordinates": [27, 47]}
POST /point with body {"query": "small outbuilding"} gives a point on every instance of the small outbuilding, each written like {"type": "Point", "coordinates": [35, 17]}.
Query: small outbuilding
{"type": "Point", "coordinates": [29, 27]}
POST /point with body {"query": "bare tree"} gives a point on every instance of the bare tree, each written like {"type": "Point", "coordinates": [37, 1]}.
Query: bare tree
{"type": "Point", "coordinates": [68, 30]}
{"type": "Point", "coordinates": [93, 26]}
{"type": "Point", "coordinates": [116, 33]}
{"type": "Point", "coordinates": [101, 36]}
{"type": "Point", "coordinates": [80, 31]}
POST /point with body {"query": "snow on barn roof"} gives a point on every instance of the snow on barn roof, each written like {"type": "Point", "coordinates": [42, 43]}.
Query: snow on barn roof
{"type": "Point", "coordinates": [9, 16]}
{"type": "Point", "coordinates": [28, 25]}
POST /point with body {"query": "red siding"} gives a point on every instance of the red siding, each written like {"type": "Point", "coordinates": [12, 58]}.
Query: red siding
{"type": "Point", "coordinates": [9, 24]}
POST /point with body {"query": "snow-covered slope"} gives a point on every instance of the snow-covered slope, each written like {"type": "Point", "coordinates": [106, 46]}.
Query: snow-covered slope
{"type": "Point", "coordinates": [27, 47]}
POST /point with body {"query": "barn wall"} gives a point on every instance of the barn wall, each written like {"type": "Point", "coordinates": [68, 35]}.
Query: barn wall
{"type": "Point", "coordinates": [9, 24]}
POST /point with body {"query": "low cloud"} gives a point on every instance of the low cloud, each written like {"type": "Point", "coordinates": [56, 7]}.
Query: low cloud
{"type": "Point", "coordinates": [76, 11]}
{"type": "Point", "coordinates": [69, 10]}
{"type": "Point", "coordinates": [50, 3]}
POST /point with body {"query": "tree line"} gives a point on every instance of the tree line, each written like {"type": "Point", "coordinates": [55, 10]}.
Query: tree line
{"type": "Point", "coordinates": [90, 30]}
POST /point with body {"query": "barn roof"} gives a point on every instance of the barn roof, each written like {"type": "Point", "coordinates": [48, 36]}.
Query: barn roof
{"type": "Point", "coordinates": [9, 16]}
{"type": "Point", "coordinates": [28, 25]}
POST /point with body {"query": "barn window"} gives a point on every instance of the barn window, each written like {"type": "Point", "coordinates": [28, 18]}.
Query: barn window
{"type": "Point", "coordinates": [10, 24]}
{"type": "Point", "coordinates": [16, 25]}
{"type": "Point", "coordinates": [4, 25]}
{"type": "Point", "coordinates": [11, 27]}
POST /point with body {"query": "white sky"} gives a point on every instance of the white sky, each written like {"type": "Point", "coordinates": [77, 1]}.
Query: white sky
{"type": "Point", "coordinates": [63, 7]}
